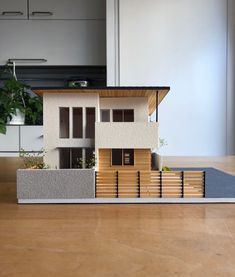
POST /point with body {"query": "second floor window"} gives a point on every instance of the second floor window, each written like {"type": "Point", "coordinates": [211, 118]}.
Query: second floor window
{"type": "Point", "coordinates": [64, 122]}
{"type": "Point", "coordinates": [123, 115]}
{"type": "Point", "coordinates": [77, 123]}
{"type": "Point", "coordinates": [90, 123]}
{"type": "Point", "coordinates": [105, 115]}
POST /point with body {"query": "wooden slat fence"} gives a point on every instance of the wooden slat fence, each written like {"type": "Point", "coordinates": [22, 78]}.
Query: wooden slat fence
{"type": "Point", "coordinates": [150, 184]}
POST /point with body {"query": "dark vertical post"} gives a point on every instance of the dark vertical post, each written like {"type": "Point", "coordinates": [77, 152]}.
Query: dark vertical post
{"type": "Point", "coordinates": [95, 182]}
{"type": "Point", "coordinates": [160, 184]}
{"type": "Point", "coordinates": [117, 183]}
{"type": "Point", "coordinates": [182, 182]}
{"type": "Point", "coordinates": [204, 184]}
{"type": "Point", "coordinates": [139, 184]}
{"type": "Point", "coordinates": [157, 100]}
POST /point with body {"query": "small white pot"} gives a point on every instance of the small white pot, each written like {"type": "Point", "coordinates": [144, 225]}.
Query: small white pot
{"type": "Point", "coordinates": [18, 119]}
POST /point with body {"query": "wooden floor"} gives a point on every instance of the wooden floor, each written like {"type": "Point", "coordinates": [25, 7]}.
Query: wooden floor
{"type": "Point", "coordinates": [116, 240]}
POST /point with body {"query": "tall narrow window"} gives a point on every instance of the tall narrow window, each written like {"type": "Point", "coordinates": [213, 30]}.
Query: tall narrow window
{"type": "Point", "coordinates": [116, 156]}
{"type": "Point", "coordinates": [90, 122]}
{"type": "Point", "coordinates": [64, 122]}
{"type": "Point", "coordinates": [128, 156]}
{"type": "Point", "coordinates": [105, 115]}
{"type": "Point", "coordinates": [77, 123]}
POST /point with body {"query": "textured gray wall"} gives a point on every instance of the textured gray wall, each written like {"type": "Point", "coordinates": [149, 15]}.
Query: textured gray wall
{"type": "Point", "coordinates": [56, 184]}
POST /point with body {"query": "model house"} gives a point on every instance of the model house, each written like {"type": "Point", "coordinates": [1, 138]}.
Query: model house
{"type": "Point", "coordinates": [99, 85]}
{"type": "Point", "coordinates": [111, 125]}
{"type": "Point", "coordinates": [99, 144]}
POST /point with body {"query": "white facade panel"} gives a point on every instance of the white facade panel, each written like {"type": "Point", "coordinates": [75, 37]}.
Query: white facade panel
{"type": "Point", "coordinates": [126, 135]}
{"type": "Point", "coordinates": [52, 103]}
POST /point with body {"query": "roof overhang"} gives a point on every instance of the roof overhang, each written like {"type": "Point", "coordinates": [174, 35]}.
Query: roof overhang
{"type": "Point", "coordinates": [155, 95]}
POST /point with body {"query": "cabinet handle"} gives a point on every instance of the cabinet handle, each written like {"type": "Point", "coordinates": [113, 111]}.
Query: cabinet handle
{"type": "Point", "coordinates": [42, 13]}
{"type": "Point", "coordinates": [12, 13]}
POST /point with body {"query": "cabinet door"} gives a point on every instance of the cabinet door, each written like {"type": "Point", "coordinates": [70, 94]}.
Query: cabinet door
{"type": "Point", "coordinates": [10, 141]}
{"type": "Point", "coordinates": [13, 9]}
{"type": "Point", "coordinates": [67, 9]}
{"type": "Point", "coordinates": [60, 42]}
{"type": "Point", "coordinates": [31, 138]}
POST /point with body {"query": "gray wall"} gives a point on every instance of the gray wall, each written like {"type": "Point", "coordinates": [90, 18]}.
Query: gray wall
{"type": "Point", "coordinates": [182, 44]}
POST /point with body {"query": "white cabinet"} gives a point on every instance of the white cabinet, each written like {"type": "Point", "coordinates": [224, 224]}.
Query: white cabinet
{"type": "Point", "coordinates": [13, 9]}
{"type": "Point", "coordinates": [31, 138]}
{"type": "Point", "coordinates": [60, 42]}
{"type": "Point", "coordinates": [10, 141]}
{"type": "Point", "coordinates": [67, 9]}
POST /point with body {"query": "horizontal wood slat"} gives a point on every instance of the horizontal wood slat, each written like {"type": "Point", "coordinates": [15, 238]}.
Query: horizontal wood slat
{"type": "Point", "coordinates": [146, 184]}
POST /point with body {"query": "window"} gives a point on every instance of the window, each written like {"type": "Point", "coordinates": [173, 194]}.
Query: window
{"type": "Point", "coordinates": [64, 122]}
{"type": "Point", "coordinates": [123, 115]}
{"type": "Point", "coordinates": [105, 115]}
{"type": "Point", "coordinates": [77, 123]}
{"type": "Point", "coordinates": [90, 157]}
{"type": "Point", "coordinates": [128, 115]}
{"type": "Point", "coordinates": [116, 156]}
{"type": "Point", "coordinates": [90, 122]}
{"type": "Point", "coordinates": [76, 157]}
{"type": "Point", "coordinates": [64, 158]}
{"type": "Point", "coordinates": [122, 157]}
{"type": "Point", "coordinates": [76, 154]}
{"type": "Point", "coordinates": [128, 156]}
{"type": "Point", "coordinates": [117, 115]}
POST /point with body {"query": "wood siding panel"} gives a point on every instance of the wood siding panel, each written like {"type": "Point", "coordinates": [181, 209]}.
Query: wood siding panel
{"type": "Point", "coordinates": [142, 160]}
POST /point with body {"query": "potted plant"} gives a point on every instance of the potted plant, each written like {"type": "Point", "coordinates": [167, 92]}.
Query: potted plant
{"type": "Point", "coordinates": [33, 160]}
{"type": "Point", "coordinates": [17, 103]}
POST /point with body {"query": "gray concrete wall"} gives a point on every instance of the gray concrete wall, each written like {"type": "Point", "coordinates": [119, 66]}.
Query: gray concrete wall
{"type": "Point", "coordinates": [55, 184]}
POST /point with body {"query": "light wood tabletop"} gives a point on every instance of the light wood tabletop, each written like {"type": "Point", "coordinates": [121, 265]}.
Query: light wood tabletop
{"type": "Point", "coordinates": [116, 240]}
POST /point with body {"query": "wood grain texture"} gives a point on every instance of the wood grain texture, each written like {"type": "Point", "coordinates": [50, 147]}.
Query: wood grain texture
{"type": "Point", "coordinates": [142, 160]}
{"type": "Point", "coordinates": [118, 240]}
{"type": "Point", "coordinates": [149, 184]}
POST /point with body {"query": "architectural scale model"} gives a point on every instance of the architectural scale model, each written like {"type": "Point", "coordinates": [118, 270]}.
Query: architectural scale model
{"type": "Point", "coordinates": [99, 141]}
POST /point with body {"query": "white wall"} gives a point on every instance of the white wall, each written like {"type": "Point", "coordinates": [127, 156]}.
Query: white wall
{"type": "Point", "coordinates": [181, 44]}
{"type": "Point", "coordinates": [231, 79]}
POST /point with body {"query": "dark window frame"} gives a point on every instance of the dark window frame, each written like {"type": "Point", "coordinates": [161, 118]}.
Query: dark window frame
{"type": "Point", "coordinates": [122, 116]}
{"type": "Point", "coordinates": [61, 122]}
{"type": "Point", "coordinates": [80, 136]}
{"type": "Point", "coordinates": [122, 158]}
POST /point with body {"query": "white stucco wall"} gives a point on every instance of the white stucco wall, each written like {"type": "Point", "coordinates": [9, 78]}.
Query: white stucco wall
{"type": "Point", "coordinates": [141, 135]}
{"type": "Point", "coordinates": [51, 104]}
{"type": "Point", "coordinates": [182, 44]}
{"type": "Point", "coordinates": [139, 104]}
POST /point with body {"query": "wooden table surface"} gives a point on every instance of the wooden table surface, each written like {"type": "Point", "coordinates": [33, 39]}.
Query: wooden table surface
{"type": "Point", "coordinates": [116, 240]}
